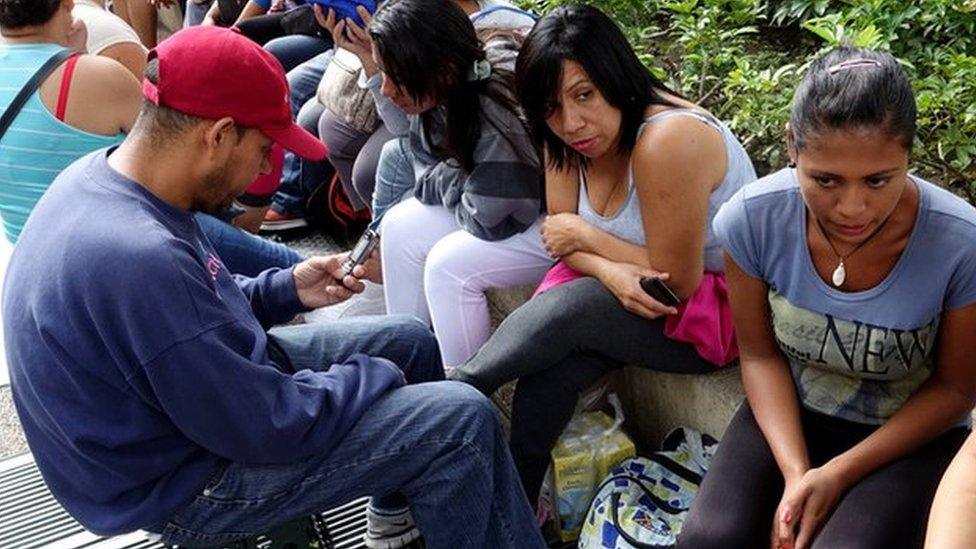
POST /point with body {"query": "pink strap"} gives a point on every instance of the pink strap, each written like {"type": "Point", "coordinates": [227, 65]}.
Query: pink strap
{"type": "Point", "coordinates": [69, 70]}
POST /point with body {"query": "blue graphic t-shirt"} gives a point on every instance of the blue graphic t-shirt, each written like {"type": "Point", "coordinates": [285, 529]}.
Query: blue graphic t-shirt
{"type": "Point", "coordinates": [854, 355]}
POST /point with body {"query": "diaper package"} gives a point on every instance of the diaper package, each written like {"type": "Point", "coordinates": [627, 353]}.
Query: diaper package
{"type": "Point", "coordinates": [592, 444]}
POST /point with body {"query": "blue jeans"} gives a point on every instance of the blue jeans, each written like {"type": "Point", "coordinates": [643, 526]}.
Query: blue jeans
{"type": "Point", "coordinates": [295, 49]}
{"type": "Point", "coordinates": [195, 12]}
{"type": "Point", "coordinates": [394, 178]}
{"type": "Point", "coordinates": [242, 252]}
{"type": "Point", "coordinates": [437, 444]}
{"type": "Point", "coordinates": [300, 177]}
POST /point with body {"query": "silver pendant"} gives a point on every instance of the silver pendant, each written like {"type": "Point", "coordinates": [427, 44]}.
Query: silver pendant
{"type": "Point", "coordinates": [839, 276]}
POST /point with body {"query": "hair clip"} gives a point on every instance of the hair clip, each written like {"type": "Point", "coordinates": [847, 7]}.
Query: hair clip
{"type": "Point", "coordinates": [480, 70]}
{"type": "Point", "coordinates": [853, 64]}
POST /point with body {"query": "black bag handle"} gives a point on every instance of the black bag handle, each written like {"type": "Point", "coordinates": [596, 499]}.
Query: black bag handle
{"type": "Point", "coordinates": [30, 87]}
{"type": "Point", "coordinates": [614, 501]}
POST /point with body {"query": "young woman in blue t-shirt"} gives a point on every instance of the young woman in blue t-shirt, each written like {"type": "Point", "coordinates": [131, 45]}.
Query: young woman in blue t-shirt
{"type": "Point", "coordinates": [853, 286]}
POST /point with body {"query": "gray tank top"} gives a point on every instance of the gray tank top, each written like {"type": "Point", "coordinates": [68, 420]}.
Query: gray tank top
{"type": "Point", "coordinates": [626, 223]}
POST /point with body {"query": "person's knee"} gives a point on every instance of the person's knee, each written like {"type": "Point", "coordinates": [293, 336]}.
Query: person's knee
{"type": "Point", "coordinates": [425, 357]}
{"type": "Point", "coordinates": [399, 223]}
{"type": "Point", "coordinates": [717, 532]}
{"type": "Point", "coordinates": [392, 156]}
{"type": "Point", "coordinates": [363, 183]}
{"type": "Point", "coordinates": [449, 265]}
{"type": "Point", "coordinates": [468, 406]}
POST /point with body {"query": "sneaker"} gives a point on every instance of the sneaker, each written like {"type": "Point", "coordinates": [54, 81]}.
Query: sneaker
{"type": "Point", "coordinates": [276, 221]}
{"type": "Point", "coordinates": [390, 529]}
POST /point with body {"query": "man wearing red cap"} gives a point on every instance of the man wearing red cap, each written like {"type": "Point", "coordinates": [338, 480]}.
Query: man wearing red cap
{"type": "Point", "coordinates": [152, 394]}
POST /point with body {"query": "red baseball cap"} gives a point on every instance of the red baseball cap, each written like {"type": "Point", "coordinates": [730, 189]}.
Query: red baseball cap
{"type": "Point", "coordinates": [212, 72]}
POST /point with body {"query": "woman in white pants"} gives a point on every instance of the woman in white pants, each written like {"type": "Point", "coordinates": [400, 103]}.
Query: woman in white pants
{"type": "Point", "coordinates": [439, 272]}
{"type": "Point", "coordinates": [473, 222]}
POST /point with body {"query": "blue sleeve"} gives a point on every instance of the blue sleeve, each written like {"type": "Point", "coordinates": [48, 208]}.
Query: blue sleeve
{"type": "Point", "coordinates": [734, 231]}
{"type": "Point", "coordinates": [962, 285]}
{"type": "Point", "coordinates": [272, 295]}
{"type": "Point", "coordinates": [263, 4]}
{"type": "Point", "coordinates": [246, 411]}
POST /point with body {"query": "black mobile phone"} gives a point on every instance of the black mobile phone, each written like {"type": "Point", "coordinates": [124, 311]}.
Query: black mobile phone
{"type": "Point", "coordinates": [360, 252]}
{"type": "Point", "coordinates": [656, 288]}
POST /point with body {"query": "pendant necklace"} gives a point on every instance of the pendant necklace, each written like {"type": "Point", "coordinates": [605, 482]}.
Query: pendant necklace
{"type": "Point", "coordinates": [840, 272]}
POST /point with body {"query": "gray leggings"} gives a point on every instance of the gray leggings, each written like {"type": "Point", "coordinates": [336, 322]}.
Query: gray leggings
{"type": "Point", "coordinates": [887, 509]}
{"type": "Point", "coordinates": [355, 155]}
{"type": "Point", "coordinates": [558, 344]}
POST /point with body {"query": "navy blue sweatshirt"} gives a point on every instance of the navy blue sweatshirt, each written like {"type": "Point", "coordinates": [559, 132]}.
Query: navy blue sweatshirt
{"type": "Point", "coordinates": [138, 362]}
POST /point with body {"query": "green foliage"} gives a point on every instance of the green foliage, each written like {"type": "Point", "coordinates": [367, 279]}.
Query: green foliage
{"type": "Point", "coordinates": [742, 59]}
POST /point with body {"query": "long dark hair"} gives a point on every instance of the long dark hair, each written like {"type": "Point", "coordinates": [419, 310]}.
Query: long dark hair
{"type": "Point", "coordinates": [583, 34]}
{"type": "Point", "coordinates": [850, 88]}
{"type": "Point", "coordinates": [15, 14]}
{"type": "Point", "coordinates": [427, 48]}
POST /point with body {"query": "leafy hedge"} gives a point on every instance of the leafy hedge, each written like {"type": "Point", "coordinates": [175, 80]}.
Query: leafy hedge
{"type": "Point", "coordinates": [742, 59]}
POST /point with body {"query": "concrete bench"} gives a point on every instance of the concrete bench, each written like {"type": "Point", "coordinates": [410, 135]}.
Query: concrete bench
{"type": "Point", "coordinates": [654, 402]}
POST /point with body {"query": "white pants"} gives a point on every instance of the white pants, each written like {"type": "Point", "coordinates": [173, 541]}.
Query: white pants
{"type": "Point", "coordinates": [438, 272]}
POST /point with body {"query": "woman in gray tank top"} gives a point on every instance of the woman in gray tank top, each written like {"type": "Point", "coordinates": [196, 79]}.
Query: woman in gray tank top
{"type": "Point", "coordinates": [634, 175]}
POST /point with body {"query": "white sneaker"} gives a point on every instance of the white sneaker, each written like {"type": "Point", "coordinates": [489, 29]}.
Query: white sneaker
{"type": "Point", "coordinates": [368, 303]}
{"type": "Point", "coordinates": [389, 529]}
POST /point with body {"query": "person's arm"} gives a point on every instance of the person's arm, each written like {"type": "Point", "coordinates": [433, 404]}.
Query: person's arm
{"type": "Point", "coordinates": [677, 163]}
{"type": "Point", "coordinates": [272, 295]}
{"type": "Point", "coordinates": [765, 372]}
{"type": "Point", "coordinates": [952, 521]}
{"type": "Point", "coordinates": [941, 402]}
{"type": "Point", "coordinates": [131, 55]}
{"type": "Point", "coordinates": [276, 295]}
{"type": "Point", "coordinates": [253, 8]}
{"type": "Point", "coordinates": [620, 277]}
{"type": "Point", "coordinates": [502, 195]}
{"type": "Point", "coordinates": [250, 411]}
{"type": "Point", "coordinates": [769, 387]}
{"type": "Point", "coordinates": [349, 36]}
{"type": "Point", "coordinates": [212, 15]}
{"type": "Point", "coordinates": [104, 97]}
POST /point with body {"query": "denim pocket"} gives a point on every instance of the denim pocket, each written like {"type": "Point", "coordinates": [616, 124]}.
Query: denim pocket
{"type": "Point", "coordinates": [215, 480]}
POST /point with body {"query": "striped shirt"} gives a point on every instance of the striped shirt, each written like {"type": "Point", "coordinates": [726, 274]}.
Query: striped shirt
{"type": "Point", "coordinates": [502, 195]}
{"type": "Point", "coordinates": [37, 146]}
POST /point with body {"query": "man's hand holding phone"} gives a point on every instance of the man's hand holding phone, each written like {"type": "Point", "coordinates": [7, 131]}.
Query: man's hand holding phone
{"type": "Point", "coordinates": [321, 281]}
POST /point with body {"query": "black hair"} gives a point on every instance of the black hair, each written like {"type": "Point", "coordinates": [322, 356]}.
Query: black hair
{"type": "Point", "coordinates": [162, 124]}
{"type": "Point", "coordinates": [15, 14]}
{"type": "Point", "coordinates": [584, 34]}
{"type": "Point", "coordinates": [427, 48]}
{"type": "Point", "coordinates": [851, 88]}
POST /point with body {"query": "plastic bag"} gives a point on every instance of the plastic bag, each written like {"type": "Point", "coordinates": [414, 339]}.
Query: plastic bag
{"type": "Point", "coordinates": [592, 444]}
{"type": "Point", "coordinates": [643, 502]}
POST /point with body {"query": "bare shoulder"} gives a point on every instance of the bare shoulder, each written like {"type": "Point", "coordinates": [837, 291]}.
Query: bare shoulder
{"type": "Point", "coordinates": [684, 147]}
{"type": "Point", "coordinates": [105, 97]}
{"type": "Point", "coordinates": [131, 55]}
{"type": "Point", "coordinates": [105, 75]}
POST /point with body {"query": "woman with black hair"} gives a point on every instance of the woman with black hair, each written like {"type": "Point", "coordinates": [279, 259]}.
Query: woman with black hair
{"type": "Point", "coordinates": [634, 174]}
{"type": "Point", "coordinates": [473, 221]}
{"type": "Point", "coordinates": [853, 290]}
